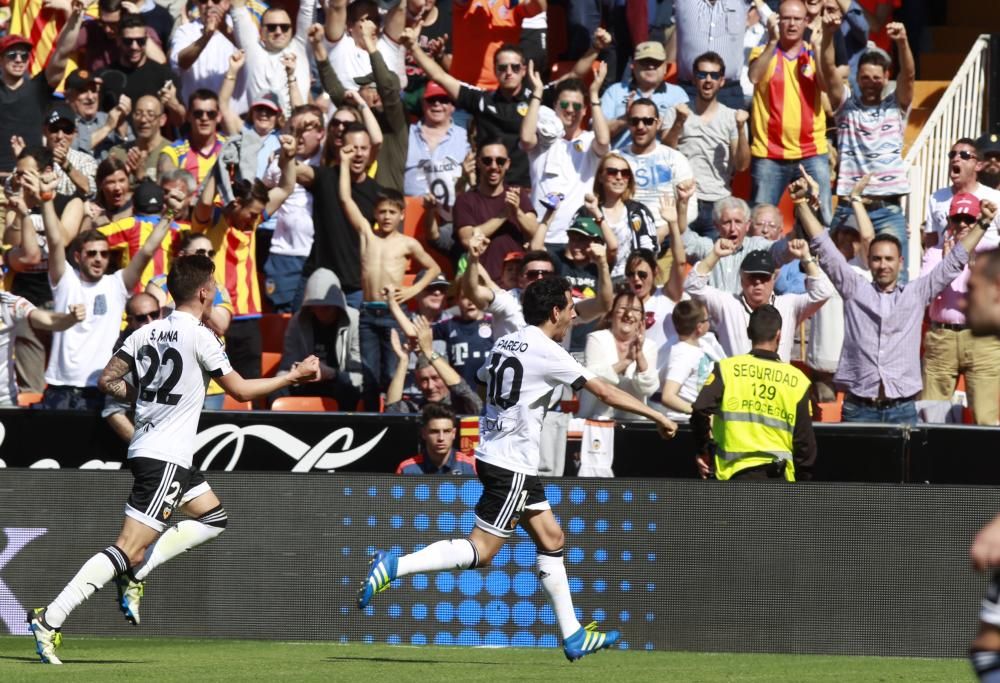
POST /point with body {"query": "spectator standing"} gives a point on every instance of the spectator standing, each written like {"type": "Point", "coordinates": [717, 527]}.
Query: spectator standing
{"type": "Point", "coordinates": [689, 364]}
{"type": "Point", "coordinates": [353, 31]}
{"type": "Point", "coordinates": [97, 41]}
{"type": "Point", "coordinates": [79, 353]}
{"type": "Point", "coordinates": [620, 354]}
{"type": "Point", "coordinates": [964, 165]}
{"type": "Point", "coordinates": [715, 26]}
{"type": "Point", "coordinates": [880, 363]}
{"type": "Point", "coordinates": [198, 152]}
{"type": "Point", "coordinates": [713, 138]}
{"type": "Point", "coordinates": [141, 156]}
{"type": "Point", "coordinates": [144, 76]}
{"type": "Point", "coordinates": [563, 157]}
{"type": "Point", "coordinates": [730, 314]}
{"type": "Point", "coordinates": [749, 442]}
{"type": "Point", "coordinates": [24, 99]}
{"type": "Point", "coordinates": [200, 52]}
{"type": "Point", "coordinates": [265, 47]}
{"type": "Point", "coordinates": [950, 349]}
{"type": "Point", "coordinates": [988, 148]}
{"type": "Point", "coordinates": [649, 68]}
{"type": "Point", "coordinates": [502, 213]}
{"type": "Point", "coordinates": [435, 152]}
{"type": "Point", "coordinates": [656, 167]}
{"type": "Point", "coordinates": [326, 327]}
{"type": "Point", "coordinates": [870, 131]}
{"type": "Point", "coordinates": [787, 121]}
{"type": "Point", "coordinates": [483, 30]}
{"type": "Point", "coordinates": [438, 429]}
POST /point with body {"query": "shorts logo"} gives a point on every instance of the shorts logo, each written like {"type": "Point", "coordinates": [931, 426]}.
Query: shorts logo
{"type": "Point", "coordinates": [167, 511]}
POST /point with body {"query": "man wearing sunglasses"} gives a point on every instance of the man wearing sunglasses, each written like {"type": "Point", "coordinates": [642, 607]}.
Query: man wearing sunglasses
{"type": "Point", "coordinates": [964, 165]}
{"type": "Point", "coordinates": [144, 76]}
{"type": "Point", "coordinates": [24, 99]}
{"type": "Point", "coordinates": [950, 349]}
{"type": "Point", "coordinates": [97, 43]}
{"type": "Point", "coordinates": [75, 169]}
{"type": "Point", "coordinates": [197, 153]}
{"type": "Point", "coordinates": [357, 32]}
{"type": "Point", "coordinates": [265, 47]}
{"type": "Point", "coordinates": [714, 26]}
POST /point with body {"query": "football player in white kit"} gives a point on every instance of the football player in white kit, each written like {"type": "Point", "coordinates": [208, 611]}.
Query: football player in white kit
{"type": "Point", "coordinates": [523, 369]}
{"type": "Point", "coordinates": [164, 367]}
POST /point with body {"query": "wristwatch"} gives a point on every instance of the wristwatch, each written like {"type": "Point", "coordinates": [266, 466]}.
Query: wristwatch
{"type": "Point", "coordinates": [811, 259]}
{"type": "Point", "coordinates": [433, 357]}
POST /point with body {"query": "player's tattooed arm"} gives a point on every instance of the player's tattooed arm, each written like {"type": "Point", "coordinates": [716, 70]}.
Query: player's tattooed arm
{"type": "Point", "coordinates": [112, 381]}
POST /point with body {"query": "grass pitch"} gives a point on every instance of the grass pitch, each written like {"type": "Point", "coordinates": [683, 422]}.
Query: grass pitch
{"type": "Point", "coordinates": [168, 659]}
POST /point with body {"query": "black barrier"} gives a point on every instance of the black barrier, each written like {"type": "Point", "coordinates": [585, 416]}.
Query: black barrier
{"type": "Point", "coordinates": [369, 442]}
{"type": "Point", "coordinates": [678, 565]}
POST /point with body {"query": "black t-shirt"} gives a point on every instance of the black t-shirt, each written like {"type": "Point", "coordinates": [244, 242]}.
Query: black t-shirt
{"type": "Point", "coordinates": [147, 79]}
{"type": "Point", "coordinates": [498, 116]}
{"type": "Point", "coordinates": [335, 243]}
{"type": "Point", "coordinates": [325, 343]}
{"type": "Point", "coordinates": [583, 281]}
{"type": "Point", "coordinates": [159, 20]}
{"type": "Point", "coordinates": [21, 113]}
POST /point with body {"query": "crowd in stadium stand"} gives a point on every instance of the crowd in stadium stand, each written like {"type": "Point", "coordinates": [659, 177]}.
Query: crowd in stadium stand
{"type": "Point", "coordinates": [378, 180]}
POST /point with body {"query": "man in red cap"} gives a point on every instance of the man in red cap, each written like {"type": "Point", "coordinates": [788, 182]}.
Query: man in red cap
{"type": "Point", "coordinates": [950, 349]}
{"type": "Point", "coordinates": [24, 100]}
{"type": "Point", "coordinates": [965, 163]}
{"type": "Point", "coordinates": [436, 150]}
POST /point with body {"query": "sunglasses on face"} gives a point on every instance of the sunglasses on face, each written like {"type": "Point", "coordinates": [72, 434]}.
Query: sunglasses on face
{"type": "Point", "coordinates": [146, 317]}
{"type": "Point", "coordinates": [138, 42]}
{"type": "Point", "coordinates": [711, 75]}
{"type": "Point", "coordinates": [200, 114]}
{"type": "Point", "coordinates": [641, 274]}
{"type": "Point", "coordinates": [64, 127]}
{"type": "Point", "coordinates": [962, 154]}
{"type": "Point", "coordinates": [644, 120]}
{"type": "Point", "coordinates": [17, 55]}
{"type": "Point", "coordinates": [264, 111]}
{"type": "Point", "coordinates": [210, 2]}
{"type": "Point", "coordinates": [613, 172]}
{"type": "Point", "coordinates": [513, 68]}
{"type": "Point", "coordinates": [537, 274]}
{"type": "Point", "coordinates": [577, 106]}
{"type": "Point", "coordinates": [490, 161]}
{"type": "Point", "coordinates": [210, 253]}
{"type": "Point", "coordinates": [436, 100]}
{"type": "Point", "coordinates": [278, 28]}
{"type": "Point", "coordinates": [337, 123]}
{"type": "Point", "coordinates": [91, 253]}
{"type": "Point", "coordinates": [962, 220]}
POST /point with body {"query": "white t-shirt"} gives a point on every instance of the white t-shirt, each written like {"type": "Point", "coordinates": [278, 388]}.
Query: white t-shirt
{"type": "Point", "coordinates": [521, 372]}
{"type": "Point", "coordinates": [172, 360]}
{"type": "Point", "coordinates": [939, 205]}
{"type": "Point", "coordinates": [566, 167]}
{"type": "Point", "coordinates": [349, 61]}
{"type": "Point", "coordinates": [80, 353]}
{"type": "Point", "coordinates": [293, 227]}
{"type": "Point", "coordinates": [12, 309]}
{"type": "Point", "coordinates": [209, 70]}
{"type": "Point", "coordinates": [656, 173]}
{"type": "Point", "coordinates": [689, 366]}
{"type": "Point", "coordinates": [506, 311]}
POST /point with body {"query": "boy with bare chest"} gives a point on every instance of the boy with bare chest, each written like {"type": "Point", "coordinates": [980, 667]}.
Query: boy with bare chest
{"type": "Point", "coordinates": [385, 255]}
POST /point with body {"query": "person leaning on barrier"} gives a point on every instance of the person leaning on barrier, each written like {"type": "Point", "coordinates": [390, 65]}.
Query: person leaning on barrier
{"type": "Point", "coordinates": [763, 425]}
{"type": "Point", "coordinates": [437, 455]}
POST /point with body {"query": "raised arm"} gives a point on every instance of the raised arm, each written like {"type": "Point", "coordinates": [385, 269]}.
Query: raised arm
{"type": "Point", "coordinates": [54, 233]}
{"type": "Point", "coordinates": [434, 71]}
{"type": "Point", "coordinates": [740, 150]}
{"type": "Point", "coordinates": [529, 124]}
{"type": "Point", "coordinates": [336, 20]}
{"type": "Point", "coordinates": [480, 295]}
{"type": "Point", "coordinates": [212, 20]}
{"type": "Point", "coordinates": [231, 121]}
{"type": "Point", "coordinates": [907, 75]}
{"type": "Point", "coordinates": [351, 210]}
{"type": "Point", "coordinates": [827, 62]}
{"type": "Point", "coordinates": [206, 200]}
{"type": "Point", "coordinates": [174, 202]}
{"type": "Point", "coordinates": [277, 195]}
{"type": "Point", "coordinates": [758, 67]}
{"type": "Point", "coordinates": [394, 392]}
{"type": "Point", "coordinates": [593, 308]}
{"type": "Point", "coordinates": [327, 76]}
{"type": "Point", "coordinates": [65, 44]}
{"type": "Point", "coordinates": [865, 226]}
{"type": "Point", "coordinates": [289, 60]}
{"type": "Point", "coordinates": [385, 82]}
{"type": "Point", "coordinates": [584, 66]}
{"type": "Point", "coordinates": [425, 342]}
{"type": "Point", "coordinates": [598, 122]}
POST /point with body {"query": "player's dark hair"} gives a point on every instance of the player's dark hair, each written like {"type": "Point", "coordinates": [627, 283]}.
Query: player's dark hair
{"type": "Point", "coordinates": [711, 58]}
{"type": "Point", "coordinates": [886, 237]}
{"type": "Point", "coordinates": [765, 323]}
{"type": "Point", "coordinates": [42, 156]}
{"type": "Point", "coordinates": [187, 275]}
{"type": "Point", "coordinates": [394, 197]}
{"type": "Point", "coordinates": [541, 296]}
{"type": "Point", "coordinates": [437, 411]}
{"type": "Point", "coordinates": [686, 316]}
{"type": "Point", "coordinates": [364, 9]}
{"type": "Point", "coordinates": [536, 255]}
{"type": "Point", "coordinates": [645, 102]}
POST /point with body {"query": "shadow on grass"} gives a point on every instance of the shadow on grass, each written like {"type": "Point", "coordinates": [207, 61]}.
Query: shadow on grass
{"type": "Point", "coordinates": [399, 660]}
{"type": "Point", "coordinates": [77, 662]}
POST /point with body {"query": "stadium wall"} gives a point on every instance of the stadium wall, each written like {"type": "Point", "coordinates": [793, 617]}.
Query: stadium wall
{"type": "Point", "coordinates": [675, 565]}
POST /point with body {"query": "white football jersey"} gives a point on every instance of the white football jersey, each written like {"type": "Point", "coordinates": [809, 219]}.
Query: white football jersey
{"type": "Point", "coordinates": [521, 372]}
{"type": "Point", "coordinates": [172, 360]}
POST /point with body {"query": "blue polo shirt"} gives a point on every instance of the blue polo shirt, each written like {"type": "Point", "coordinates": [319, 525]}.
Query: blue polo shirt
{"type": "Point", "coordinates": [458, 464]}
{"type": "Point", "coordinates": [615, 98]}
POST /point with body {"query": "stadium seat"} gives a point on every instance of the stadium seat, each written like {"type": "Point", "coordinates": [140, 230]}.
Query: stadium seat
{"type": "Point", "coordinates": [306, 404]}
{"type": "Point", "coordinates": [413, 226]}
{"type": "Point", "coordinates": [28, 398]}
{"type": "Point", "coordinates": [269, 361]}
{"type": "Point", "coordinates": [230, 403]}
{"type": "Point", "coordinates": [272, 331]}
{"type": "Point", "coordinates": [830, 411]}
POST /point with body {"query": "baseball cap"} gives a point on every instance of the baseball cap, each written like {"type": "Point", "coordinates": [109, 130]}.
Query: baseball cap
{"type": "Point", "coordinates": [964, 204]}
{"type": "Point", "coordinates": [758, 263]}
{"type": "Point", "coordinates": [148, 198]}
{"type": "Point", "coordinates": [60, 111]}
{"type": "Point", "coordinates": [80, 79]}
{"type": "Point", "coordinates": [651, 49]}
{"type": "Point", "coordinates": [990, 142]}
{"type": "Point", "coordinates": [269, 100]}
{"type": "Point", "coordinates": [513, 256]}
{"type": "Point", "coordinates": [438, 281]}
{"type": "Point", "coordinates": [585, 225]}
{"type": "Point", "coordinates": [434, 89]}
{"type": "Point", "coordinates": [367, 79]}
{"type": "Point", "coordinates": [13, 40]}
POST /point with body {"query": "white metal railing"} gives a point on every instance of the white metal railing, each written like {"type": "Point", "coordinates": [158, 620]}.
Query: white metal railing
{"type": "Point", "coordinates": [958, 114]}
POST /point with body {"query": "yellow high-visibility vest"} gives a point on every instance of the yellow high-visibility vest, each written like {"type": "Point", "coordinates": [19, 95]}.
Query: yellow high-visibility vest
{"type": "Point", "coordinates": [760, 400]}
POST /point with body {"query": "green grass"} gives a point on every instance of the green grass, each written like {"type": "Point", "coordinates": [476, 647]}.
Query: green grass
{"type": "Point", "coordinates": [165, 659]}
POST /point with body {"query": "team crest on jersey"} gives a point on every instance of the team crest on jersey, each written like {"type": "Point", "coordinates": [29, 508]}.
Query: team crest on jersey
{"type": "Point", "coordinates": [522, 108]}
{"type": "Point", "coordinates": [807, 69]}
{"type": "Point", "coordinates": [596, 445]}
{"type": "Point", "coordinates": [636, 223]}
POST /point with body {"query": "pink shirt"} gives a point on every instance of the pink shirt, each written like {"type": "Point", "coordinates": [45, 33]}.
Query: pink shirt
{"type": "Point", "coordinates": [946, 307]}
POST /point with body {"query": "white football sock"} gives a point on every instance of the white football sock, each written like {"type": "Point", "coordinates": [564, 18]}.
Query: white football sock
{"type": "Point", "coordinates": [94, 573]}
{"type": "Point", "coordinates": [176, 540]}
{"type": "Point", "coordinates": [552, 574]}
{"type": "Point", "coordinates": [458, 553]}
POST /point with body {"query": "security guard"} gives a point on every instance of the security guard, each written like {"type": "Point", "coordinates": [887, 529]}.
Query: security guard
{"type": "Point", "coordinates": [762, 425]}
